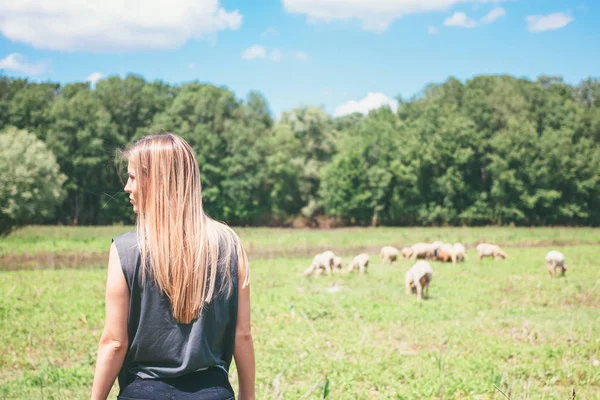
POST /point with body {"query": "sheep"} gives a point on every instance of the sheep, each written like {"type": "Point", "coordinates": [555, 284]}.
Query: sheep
{"type": "Point", "coordinates": [360, 262]}
{"type": "Point", "coordinates": [337, 264]}
{"type": "Point", "coordinates": [451, 252]}
{"type": "Point", "coordinates": [446, 253]}
{"type": "Point", "coordinates": [328, 253]}
{"type": "Point", "coordinates": [407, 252]}
{"type": "Point", "coordinates": [436, 247]}
{"type": "Point", "coordinates": [460, 251]}
{"type": "Point", "coordinates": [418, 279]}
{"type": "Point", "coordinates": [555, 262]}
{"type": "Point", "coordinates": [389, 253]}
{"type": "Point", "coordinates": [424, 250]}
{"type": "Point", "coordinates": [321, 262]}
{"type": "Point", "coordinates": [490, 250]}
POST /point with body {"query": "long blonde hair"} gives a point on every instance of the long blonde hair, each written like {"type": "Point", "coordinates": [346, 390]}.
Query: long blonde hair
{"type": "Point", "coordinates": [180, 245]}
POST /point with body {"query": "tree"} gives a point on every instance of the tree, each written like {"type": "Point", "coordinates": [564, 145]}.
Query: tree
{"type": "Point", "coordinates": [313, 128]}
{"type": "Point", "coordinates": [132, 102]}
{"type": "Point", "coordinates": [84, 141]}
{"type": "Point", "coordinates": [230, 142]}
{"type": "Point", "coordinates": [30, 107]}
{"type": "Point", "coordinates": [30, 180]}
{"type": "Point", "coordinates": [8, 88]}
{"type": "Point", "coordinates": [492, 149]}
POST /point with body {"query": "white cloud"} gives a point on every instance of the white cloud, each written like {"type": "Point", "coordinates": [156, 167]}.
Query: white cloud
{"type": "Point", "coordinates": [113, 25]}
{"type": "Point", "coordinates": [94, 77]}
{"type": "Point", "coordinates": [432, 30]}
{"type": "Point", "coordinates": [375, 15]}
{"type": "Point", "coordinates": [299, 55]}
{"type": "Point", "coordinates": [269, 32]}
{"type": "Point", "coordinates": [540, 23]}
{"type": "Point", "coordinates": [461, 20]}
{"type": "Point", "coordinates": [258, 51]}
{"type": "Point", "coordinates": [493, 15]}
{"type": "Point", "coordinates": [371, 102]}
{"type": "Point", "coordinates": [17, 62]}
{"type": "Point", "coordinates": [276, 55]}
{"type": "Point", "coordinates": [253, 52]}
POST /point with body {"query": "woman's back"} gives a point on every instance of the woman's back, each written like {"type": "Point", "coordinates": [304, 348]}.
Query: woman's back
{"type": "Point", "coordinates": [177, 291]}
{"type": "Point", "coordinates": [159, 346]}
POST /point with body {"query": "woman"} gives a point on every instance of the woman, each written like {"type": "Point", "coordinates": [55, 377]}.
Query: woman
{"type": "Point", "coordinates": [177, 293]}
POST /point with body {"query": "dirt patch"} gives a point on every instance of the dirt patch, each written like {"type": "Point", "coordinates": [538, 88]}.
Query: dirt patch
{"type": "Point", "coordinates": [52, 261]}
{"type": "Point", "coordinates": [86, 260]}
{"type": "Point", "coordinates": [545, 243]}
{"type": "Point", "coordinates": [374, 249]}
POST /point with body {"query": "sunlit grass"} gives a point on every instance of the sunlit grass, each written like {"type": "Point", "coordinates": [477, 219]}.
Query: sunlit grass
{"type": "Point", "coordinates": [502, 323]}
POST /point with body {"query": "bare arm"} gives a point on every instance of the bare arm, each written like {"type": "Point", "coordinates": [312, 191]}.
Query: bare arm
{"type": "Point", "coordinates": [243, 352]}
{"type": "Point", "coordinates": [114, 340]}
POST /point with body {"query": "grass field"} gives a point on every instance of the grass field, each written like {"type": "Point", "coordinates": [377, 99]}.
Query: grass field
{"type": "Point", "coordinates": [40, 241]}
{"type": "Point", "coordinates": [503, 324]}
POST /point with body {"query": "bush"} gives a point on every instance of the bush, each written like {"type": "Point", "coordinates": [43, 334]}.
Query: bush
{"type": "Point", "coordinates": [30, 180]}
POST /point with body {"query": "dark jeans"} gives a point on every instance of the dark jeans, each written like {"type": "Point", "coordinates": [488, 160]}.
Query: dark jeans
{"type": "Point", "coordinates": [210, 384]}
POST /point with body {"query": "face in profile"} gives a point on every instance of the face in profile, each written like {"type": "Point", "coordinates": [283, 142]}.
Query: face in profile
{"type": "Point", "coordinates": [131, 187]}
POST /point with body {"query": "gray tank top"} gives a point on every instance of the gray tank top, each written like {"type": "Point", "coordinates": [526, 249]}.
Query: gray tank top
{"type": "Point", "coordinates": [160, 347]}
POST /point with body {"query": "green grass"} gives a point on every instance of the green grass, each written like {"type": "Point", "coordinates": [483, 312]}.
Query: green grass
{"type": "Point", "coordinates": [502, 323]}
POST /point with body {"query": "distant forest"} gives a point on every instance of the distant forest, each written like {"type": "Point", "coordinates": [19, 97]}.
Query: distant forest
{"type": "Point", "coordinates": [492, 150]}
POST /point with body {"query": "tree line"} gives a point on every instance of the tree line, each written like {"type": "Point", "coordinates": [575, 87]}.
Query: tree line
{"type": "Point", "coordinates": [491, 150]}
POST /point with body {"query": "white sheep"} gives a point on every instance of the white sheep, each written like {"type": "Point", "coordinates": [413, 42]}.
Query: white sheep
{"type": "Point", "coordinates": [337, 264]}
{"type": "Point", "coordinates": [555, 262]}
{"type": "Point", "coordinates": [360, 262]}
{"type": "Point", "coordinates": [490, 250]}
{"type": "Point", "coordinates": [389, 254]}
{"type": "Point", "coordinates": [418, 279]}
{"type": "Point", "coordinates": [328, 253]}
{"type": "Point", "coordinates": [407, 252]}
{"type": "Point", "coordinates": [446, 252]}
{"type": "Point", "coordinates": [424, 250]}
{"type": "Point", "coordinates": [322, 262]}
{"type": "Point", "coordinates": [451, 252]}
{"type": "Point", "coordinates": [460, 251]}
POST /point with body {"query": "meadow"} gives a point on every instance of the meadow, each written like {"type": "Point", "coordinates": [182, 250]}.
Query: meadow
{"type": "Point", "coordinates": [489, 330]}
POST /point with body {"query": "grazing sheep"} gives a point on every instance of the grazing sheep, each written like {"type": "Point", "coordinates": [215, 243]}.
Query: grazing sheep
{"type": "Point", "coordinates": [555, 262]}
{"type": "Point", "coordinates": [328, 253]}
{"type": "Point", "coordinates": [407, 252]}
{"type": "Point", "coordinates": [360, 262]}
{"type": "Point", "coordinates": [424, 250]}
{"type": "Point", "coordinates": [490, 250]}
{"type": "Point", "coordinates": [460, 251]}
{"type": "Point", "coordinates": [446, 253]}
{"type": "Point", "coordinates": [389, 253]}
{"type": "Point", "coordinates": [418, 279]}
{"type": "Point", "coordinates": [337, 264]}
{"type": "Point", "coordinates": [322, 262]}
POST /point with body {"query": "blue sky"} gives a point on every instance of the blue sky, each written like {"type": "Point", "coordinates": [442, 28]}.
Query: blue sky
{"type": "Point", "coordinates": [344, 55]}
